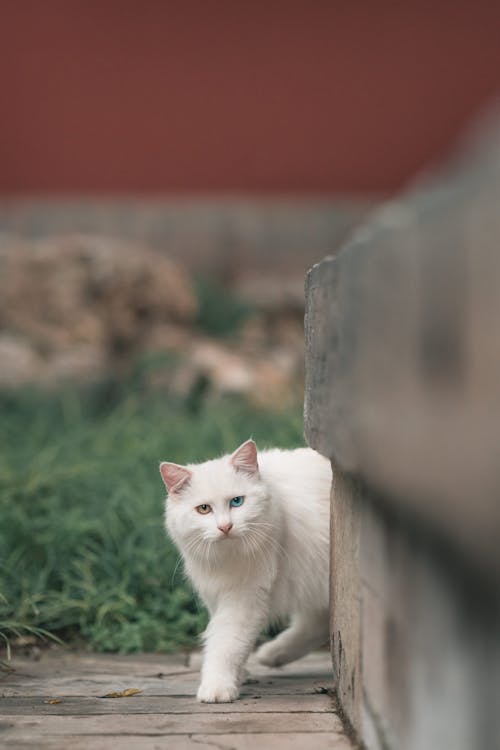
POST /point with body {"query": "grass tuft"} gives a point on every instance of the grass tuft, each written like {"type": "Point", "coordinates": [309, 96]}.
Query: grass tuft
{"type": "Point", "coordinates": [221, 313]}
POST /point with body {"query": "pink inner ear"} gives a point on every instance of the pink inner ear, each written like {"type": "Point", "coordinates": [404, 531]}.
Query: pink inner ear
{"type": "Point", "coordinates": [175, 477]}
{"type": "Point", "coordinates": [245, 458]}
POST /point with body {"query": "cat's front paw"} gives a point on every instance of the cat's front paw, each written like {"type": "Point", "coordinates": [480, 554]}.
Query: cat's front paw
{"type": "Point", "coordinates": [217, 690]}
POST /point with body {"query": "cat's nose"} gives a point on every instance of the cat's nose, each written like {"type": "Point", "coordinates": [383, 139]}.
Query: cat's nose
{"type": "Point", "coordinates": [225, 527]}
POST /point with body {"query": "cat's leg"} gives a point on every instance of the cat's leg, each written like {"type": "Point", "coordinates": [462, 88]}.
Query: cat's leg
{"type": "Point", "coordinates": [306, 631]}
{"type": "Point", "coordinates": [229, 639]}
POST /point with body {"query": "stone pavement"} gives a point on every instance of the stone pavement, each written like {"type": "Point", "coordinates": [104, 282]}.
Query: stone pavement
{"type": "Point", "coordinates": [57, 703]}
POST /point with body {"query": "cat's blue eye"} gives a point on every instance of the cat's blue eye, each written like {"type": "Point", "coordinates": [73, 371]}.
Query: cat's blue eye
{"type": "Point", "coordinates": [236, 502]}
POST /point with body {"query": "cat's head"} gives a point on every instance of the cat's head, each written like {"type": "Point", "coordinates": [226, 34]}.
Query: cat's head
{"type": "Point", "coordinates": [219, 502]}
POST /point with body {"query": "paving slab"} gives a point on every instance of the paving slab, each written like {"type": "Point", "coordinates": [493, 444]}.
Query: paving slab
{"type": "Point", "coordinates": [58, 702]}
{"type": "Point", "coordinates": [289, 741]}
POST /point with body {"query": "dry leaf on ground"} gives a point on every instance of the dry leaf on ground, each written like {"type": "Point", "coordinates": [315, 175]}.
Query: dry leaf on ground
{"type": "Point", "coordinates": [127, 693]}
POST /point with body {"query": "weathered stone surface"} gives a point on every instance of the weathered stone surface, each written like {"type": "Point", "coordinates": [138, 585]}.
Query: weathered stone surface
{"type": "Point", "coordinates": [403, 394]}
{"type": "Point", "coordinates": [321, 349]}
{"type": "Point", "coordinates": [257, 700]}
{"type": "Point", "coordinates": [291, 707]}
{"type": "Point", "coordinates": [167, 724]}
{"type": "Point", "coordinates": [345, 599]}
{"type": "Point", "coordinates": [403, 353]}
{"type": "Point", "coordinates": [232, 741]}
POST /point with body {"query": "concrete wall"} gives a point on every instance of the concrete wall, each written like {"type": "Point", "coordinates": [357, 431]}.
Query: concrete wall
{"type": "Point", "coordinates": [403, 395]}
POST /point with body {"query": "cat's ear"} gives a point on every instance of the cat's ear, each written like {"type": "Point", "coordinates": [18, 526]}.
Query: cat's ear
{"type": "Point", "coordinates": [175, 477]}
{"type": "Point", "coordinates": [244, 458]}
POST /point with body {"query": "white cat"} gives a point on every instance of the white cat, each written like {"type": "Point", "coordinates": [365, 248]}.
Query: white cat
{"type": "Point", "coordinates": [254, 534]}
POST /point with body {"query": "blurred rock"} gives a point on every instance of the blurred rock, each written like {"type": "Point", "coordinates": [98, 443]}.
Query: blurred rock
{"type": "Point", "coordinates": [81, 363]}
{"type": "Point", "coordinates": [76, 303]}
{"type": "Point", "coordinates": [267, 378]}
{"type": "Point", "coordinates": [19, 363]}
{"type": "Point", "coordinates": [77, 307]}
{"type": "Point", "coordinates": [167, 336]}
{"type": "Point", "coordinates": [277, 330]}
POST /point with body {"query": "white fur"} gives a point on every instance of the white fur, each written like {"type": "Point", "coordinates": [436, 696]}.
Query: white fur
{"type": "Point", "coordinates": [272, 565]}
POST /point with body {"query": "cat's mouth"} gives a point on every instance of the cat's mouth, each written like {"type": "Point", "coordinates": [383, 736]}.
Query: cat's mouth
{"type": "Point", "coordinates": [226, 537]}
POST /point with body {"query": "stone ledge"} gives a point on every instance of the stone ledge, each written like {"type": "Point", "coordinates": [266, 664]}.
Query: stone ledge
{"type": "Point", "coordinates": [403, 395]}
{"type": "Point", "coordinates": [403, 360]}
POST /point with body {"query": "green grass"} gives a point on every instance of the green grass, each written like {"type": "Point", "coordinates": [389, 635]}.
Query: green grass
{"type": "Point", "coordinates": [83, 552]}
{"type": "Point", "coordinates": [220, 312]}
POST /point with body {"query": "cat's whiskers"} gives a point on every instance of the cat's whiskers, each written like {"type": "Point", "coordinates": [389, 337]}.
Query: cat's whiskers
{"type": "Point", "coordinates": [279, 548]}
{"type": "Point", "coordinates": [253, 547]}
{"type": "Point", "coordinates": [268, 545]}
{"type": "Point", "coordinates": [259, 544]}
{"type": "Point", "coordinates": [213, 553]}
{"type": "Point", "coordinates": [196, 548]}
{"type": "Point", "coordinates": [249, 558]}
{"type": "Point", "coordinates": [192, 544]}
{"type": "Point", "coordinates": [172, 577]}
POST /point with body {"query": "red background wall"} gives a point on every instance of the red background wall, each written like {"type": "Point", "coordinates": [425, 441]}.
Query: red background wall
{"type": "Point", "coordinates": [151, 95]}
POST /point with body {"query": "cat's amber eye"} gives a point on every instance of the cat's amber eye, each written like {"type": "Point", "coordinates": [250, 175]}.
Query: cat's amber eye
{"type": "Point", "coordinates": [203, 509]}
